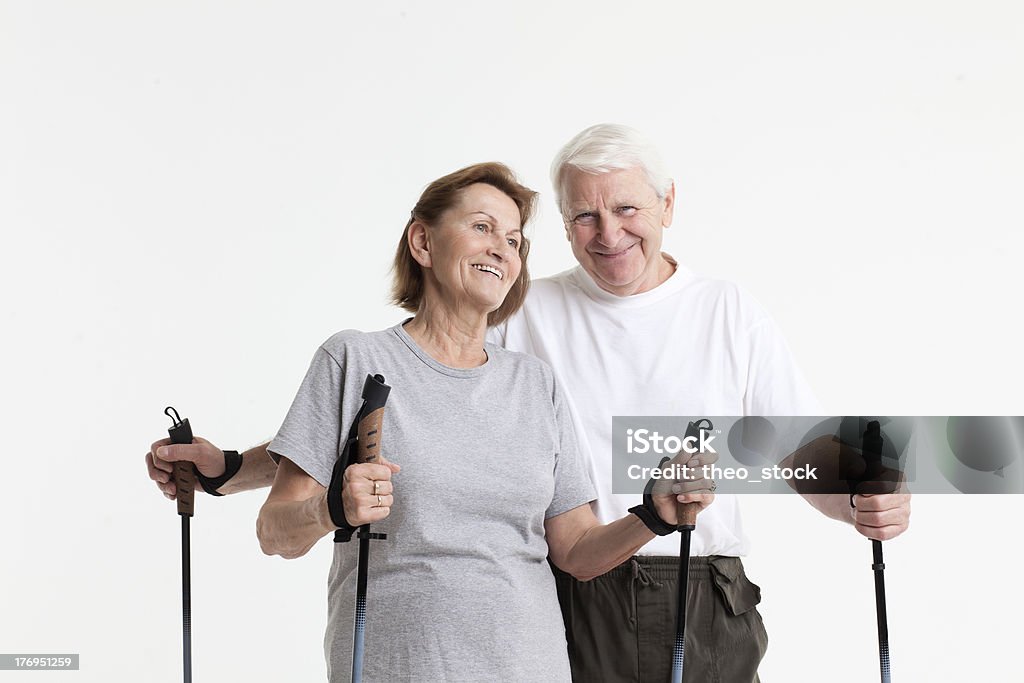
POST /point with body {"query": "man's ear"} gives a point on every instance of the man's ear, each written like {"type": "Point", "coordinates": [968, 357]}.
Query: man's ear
{"type": "Point", "coordinates": [418, 240]}
{"type": "Point", "coordinates": [669, 205]}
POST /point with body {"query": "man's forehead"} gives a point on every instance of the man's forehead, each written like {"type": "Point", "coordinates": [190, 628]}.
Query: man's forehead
{"type": "Point", "coordinates": [629, 183]}
{"type": "Point", "coordinates": [638, 196]}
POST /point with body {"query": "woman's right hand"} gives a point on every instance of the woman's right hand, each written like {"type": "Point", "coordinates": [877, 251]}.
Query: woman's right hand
{"type": "Point", "coordinates": [367, 493]}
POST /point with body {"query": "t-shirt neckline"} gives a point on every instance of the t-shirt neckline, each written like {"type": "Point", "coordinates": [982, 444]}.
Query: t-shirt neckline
{"type": "Point", "coordinates": [427, 359]}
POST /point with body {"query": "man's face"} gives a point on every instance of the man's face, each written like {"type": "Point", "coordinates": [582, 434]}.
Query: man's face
{"type": "Point", "coordinates": [614, 223]}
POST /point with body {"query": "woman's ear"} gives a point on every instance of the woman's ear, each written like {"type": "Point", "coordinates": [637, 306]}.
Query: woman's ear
{"type": "Point", "coordinates": [419, 243]}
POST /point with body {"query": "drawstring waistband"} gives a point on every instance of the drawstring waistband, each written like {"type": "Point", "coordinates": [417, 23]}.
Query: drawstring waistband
{"type": "Point", "coordinates": [641, 575]}
{"type": "Point", "coordinates": [657, 569]}
{"type": "Point", "coordinates": [647, 571]}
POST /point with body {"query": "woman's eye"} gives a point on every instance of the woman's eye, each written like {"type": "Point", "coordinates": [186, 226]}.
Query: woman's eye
{"type": "Point", "coordinates": [513, 242]}
{"type": "Point", "coordinates": [481, 227]}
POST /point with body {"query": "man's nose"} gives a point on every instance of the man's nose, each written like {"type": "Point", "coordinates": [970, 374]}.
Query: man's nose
{"type": "Point", "coordinates": [609, 229]}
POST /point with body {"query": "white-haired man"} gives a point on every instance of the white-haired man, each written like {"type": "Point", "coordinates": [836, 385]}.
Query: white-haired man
{"type": "Point", "coordinates": [630, 331]}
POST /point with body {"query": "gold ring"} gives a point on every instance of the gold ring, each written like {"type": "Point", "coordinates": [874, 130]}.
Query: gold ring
{"type": "Point", "coordinates": [378, 502]}
{"type": "Point", "coordinates": [376, 486]}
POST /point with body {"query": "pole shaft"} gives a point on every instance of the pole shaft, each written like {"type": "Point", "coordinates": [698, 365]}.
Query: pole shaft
{"type": "Point", "coordinates": [186, 600]}
{"type": "Point", "coordinates": [883, 622]}
{"type": "Point", "coordinates": [679, 650]}
{"type": "Point", "coordinates": [360, 629]}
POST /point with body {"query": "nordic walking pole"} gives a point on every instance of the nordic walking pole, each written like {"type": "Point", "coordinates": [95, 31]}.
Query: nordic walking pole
{"type": "Point", "coordinates": [872, 449]}
{"type": "Point", "coordinates": [883, 627]}
{"type": "Point", "coordinates": [686, 521]}
{"type": "Point", "coordinates": [363, 445]}
{"type": "Point", "coordinates": [185, 482]}
{"type": "Point", "coordinates": [370, 426]}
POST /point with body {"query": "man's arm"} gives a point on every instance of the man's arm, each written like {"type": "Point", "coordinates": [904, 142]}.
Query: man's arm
{"type": "Point", "coordinates": [775, 386]}
{"type": "Point", "coordinates": [257, 471]}
{"type": "Point", "coordinates": [880, 516]}
{"type": "Point", "coordinates": [881, 508]}
{"type": "Point", "coordinates": [295, 515]}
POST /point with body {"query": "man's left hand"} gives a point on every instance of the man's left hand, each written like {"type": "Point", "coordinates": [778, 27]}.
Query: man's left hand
{"type": "Point", "coordinates": [881, 516]}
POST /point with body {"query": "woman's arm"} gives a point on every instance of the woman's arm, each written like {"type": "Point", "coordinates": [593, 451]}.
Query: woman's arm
{"type": "Point", "coordinates": [296, 514]}
{"type": "Point", "coordinates": [585, 548]}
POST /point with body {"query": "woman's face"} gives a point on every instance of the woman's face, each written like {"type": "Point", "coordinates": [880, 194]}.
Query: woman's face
{"type": "Point", "coordinates": [474, 249]}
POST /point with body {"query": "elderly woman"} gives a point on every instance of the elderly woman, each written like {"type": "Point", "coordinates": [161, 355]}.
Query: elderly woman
{"type": "Point", "coordinates": [482, 478]}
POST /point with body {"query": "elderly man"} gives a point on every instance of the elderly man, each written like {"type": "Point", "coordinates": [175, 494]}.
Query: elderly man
{"type": "Point", "coordinates": [630, 331]}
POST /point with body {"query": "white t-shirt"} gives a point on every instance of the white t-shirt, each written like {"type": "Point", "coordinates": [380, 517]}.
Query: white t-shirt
{"type": "Point", "coordinates": [691, 346]}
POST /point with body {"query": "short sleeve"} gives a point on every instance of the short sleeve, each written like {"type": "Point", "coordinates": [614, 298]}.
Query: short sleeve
{"type": "Point", "coordinates": [311, 433]}
{"type": "Point", "coordinates": [573, 485]}
{"type": "Point", "coordinates": [775, 385]}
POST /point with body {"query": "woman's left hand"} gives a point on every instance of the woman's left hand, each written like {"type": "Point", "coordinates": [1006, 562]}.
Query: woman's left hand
{"type": "Point", "coordinates": [367, 493]}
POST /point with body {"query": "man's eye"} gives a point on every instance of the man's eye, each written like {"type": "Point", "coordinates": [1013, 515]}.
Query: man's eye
{"type": "Point", "coordinates": [627, 210]}
{"type": "Point", "coordinates": [584, 217]}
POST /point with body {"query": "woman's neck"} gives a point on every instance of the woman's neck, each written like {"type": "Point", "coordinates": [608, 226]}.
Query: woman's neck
{"type": "Point", "coordinates": [452, 338]}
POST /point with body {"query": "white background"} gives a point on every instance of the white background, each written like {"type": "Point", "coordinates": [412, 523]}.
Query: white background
{"type": "Point", "coordinates": [194, 195]}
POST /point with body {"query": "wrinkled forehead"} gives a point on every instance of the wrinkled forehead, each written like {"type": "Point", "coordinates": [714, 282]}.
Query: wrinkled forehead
{"type": "Point", "coordinates": [628, 185]}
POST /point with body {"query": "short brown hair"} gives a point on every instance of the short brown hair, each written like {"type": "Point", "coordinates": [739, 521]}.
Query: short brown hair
{"type": "Point", "coordinates": [441, 195]}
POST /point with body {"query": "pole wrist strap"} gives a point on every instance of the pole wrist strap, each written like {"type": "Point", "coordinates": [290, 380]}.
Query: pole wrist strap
{"type": "Point", "coordinates": [232, 463]}
{"type": "Point", "coordinates": [648, 513]}
{"type": "Point", "coordinates": [652, 521]}
{"type": "Point", "coordinates": [335, 504]}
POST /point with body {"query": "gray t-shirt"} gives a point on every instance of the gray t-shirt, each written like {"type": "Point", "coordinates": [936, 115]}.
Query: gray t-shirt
{"type": "Point", "coordinates": [460, 590]}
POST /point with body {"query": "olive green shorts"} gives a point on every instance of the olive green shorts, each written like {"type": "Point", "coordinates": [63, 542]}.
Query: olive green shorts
{"type": "Point", "coordinates": [621, 626]}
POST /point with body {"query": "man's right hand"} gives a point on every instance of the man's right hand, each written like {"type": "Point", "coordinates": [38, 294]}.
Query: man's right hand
{"type": "Point", "coordinates": [162, 455]}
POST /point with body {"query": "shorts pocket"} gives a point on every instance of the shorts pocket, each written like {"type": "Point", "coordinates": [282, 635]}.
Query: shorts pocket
{"type": "Point", "coordinates": [739, 593]}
